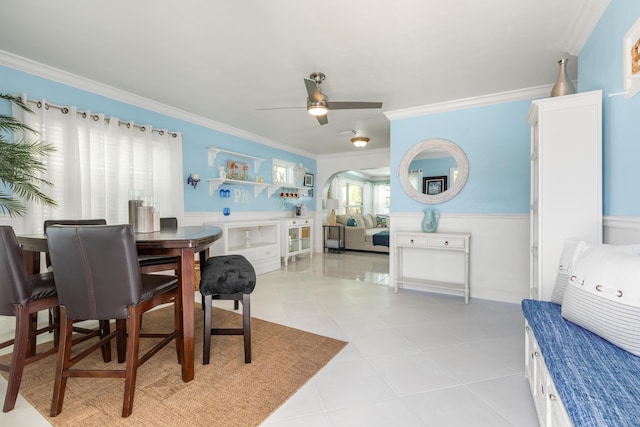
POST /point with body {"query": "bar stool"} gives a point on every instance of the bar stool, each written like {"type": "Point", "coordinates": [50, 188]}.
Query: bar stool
{"type": "Point", "coordinates": [228, 277]}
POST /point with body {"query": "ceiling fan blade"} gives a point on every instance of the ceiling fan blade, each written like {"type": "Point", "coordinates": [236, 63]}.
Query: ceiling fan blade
{"type": "Point", "coordinates": [312, 90]}
{"type": "Point", "coordinates": [323, 120]}
{"type": "Point", "coordinates": [352, 105]}
{"type": "Point", "coordinates": [277, 108]}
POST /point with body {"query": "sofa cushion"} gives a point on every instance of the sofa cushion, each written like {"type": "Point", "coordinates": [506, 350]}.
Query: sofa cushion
{"type": "Point", "coordinates": [603, 295]}
{"type": "Point", "coordinates": [359, 220]}
{"type": "Point", "coordinates": [368, 222]}
{"type": "Point", "coordinates": [342, 219]}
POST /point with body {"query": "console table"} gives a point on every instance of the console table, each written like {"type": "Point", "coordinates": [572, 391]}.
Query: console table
{"type": "Point", "coordinates": [427, 244]}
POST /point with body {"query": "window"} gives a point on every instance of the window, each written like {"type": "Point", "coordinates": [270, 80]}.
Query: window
{"type": "Point", "coordinates": [352, 201]}
{"type": "Point", "coordinates": [98, 160]}
{"type": "Point", "coordinates": [283, 172]}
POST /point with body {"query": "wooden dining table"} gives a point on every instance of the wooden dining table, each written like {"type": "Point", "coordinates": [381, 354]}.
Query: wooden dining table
{"type": "Point", "coordinates": [183, 242]}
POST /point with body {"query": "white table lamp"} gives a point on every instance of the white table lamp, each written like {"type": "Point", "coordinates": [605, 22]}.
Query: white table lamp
{"type": "Point", "coordinates": [332, 204]}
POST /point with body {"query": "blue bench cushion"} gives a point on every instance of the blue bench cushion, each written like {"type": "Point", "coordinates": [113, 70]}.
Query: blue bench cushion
{"type": "Point", "coordinates": [598, 382]}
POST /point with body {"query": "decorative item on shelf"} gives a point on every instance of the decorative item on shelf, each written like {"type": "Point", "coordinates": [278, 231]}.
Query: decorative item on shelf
{"type": "Point", "coordinates": [222, 172]}
{"type": "Point", "coordinates": [237, 170]}
{"type": "Point", "coordinates": [563, 85]}
{"type": "Point", "coordinates": [360, 141]}
{"type": "Point", "coordinates": [430, 220]}
{"type": "Point", "coordinates": [226, 211]}
{"type": "Point", "coordinates": [332, 204]}
{"type": "Point", "coordinates": [259, 180]}
{"type": "Point", "coordinates": [193, 179]}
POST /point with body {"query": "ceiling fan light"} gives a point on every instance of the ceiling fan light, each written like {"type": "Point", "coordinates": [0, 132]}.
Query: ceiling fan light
{"type": "Point", "coordinates": [360, 141]}
{"type": "Point", "coordinates": [317, 108]}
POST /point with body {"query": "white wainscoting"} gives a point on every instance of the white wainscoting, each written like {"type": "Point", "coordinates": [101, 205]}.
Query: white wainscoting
{"type": "Point", "coordinates": [499, 258]}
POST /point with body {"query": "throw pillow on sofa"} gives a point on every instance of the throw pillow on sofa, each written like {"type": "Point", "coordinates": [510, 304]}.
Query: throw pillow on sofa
{"type": "Point", "coordinates": [381, 221]}
{"type": "Point", "coordinates": [603, 295]}
{"type": "Point", "coordinates": [351, 222]}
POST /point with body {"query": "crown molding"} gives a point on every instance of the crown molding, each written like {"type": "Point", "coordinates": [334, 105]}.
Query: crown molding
{"type": "Point", "coordinates": [45, 71]}
{"type": "Point", "coordinates": [585, 23]}
{"type": "Point", "coordinates": [473, 102]}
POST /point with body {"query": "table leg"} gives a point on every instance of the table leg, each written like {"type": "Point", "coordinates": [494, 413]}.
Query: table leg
{"type": "Point", "coordinates": [187, 307]}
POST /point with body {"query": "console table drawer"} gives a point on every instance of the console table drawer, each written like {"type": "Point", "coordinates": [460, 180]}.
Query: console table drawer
{"type": "Point", "coordinates": [448, 242]}
{"type": "Point", "coordinates": [420, 241]}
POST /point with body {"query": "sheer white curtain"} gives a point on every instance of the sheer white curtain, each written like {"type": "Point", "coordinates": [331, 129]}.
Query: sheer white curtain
{"type": "Point", "coordinates": [415, 178]}
{"type": "Point", "coordinates": [98, 160]}
{"type": "Point", "coordinates": [380, 198]}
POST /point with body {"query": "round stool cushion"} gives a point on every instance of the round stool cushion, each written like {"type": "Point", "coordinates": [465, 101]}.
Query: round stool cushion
{"type": "Point", "coordinates": [227, 275]}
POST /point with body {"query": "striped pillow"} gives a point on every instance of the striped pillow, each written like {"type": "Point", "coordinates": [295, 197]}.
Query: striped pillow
{"type": "Point", "coordinates": [563, 270]}
{"type": "Point", "coordinates": [603, 293]}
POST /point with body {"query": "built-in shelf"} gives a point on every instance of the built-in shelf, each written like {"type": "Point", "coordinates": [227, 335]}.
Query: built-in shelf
{"type": "Point", "coordinates": [215, 183]}
{"type": "Point", "coordinates": [213, 152]}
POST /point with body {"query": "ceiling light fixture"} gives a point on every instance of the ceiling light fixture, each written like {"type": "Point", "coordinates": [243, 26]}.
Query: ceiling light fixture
{"type": "Point", "coordinates": [360, 141]}
{"type": "Point", "coordinates": [317, 108]}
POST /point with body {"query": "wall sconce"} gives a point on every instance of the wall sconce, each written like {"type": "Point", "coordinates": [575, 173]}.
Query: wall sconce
{"type": "Point", "coordinates": [193, 180]}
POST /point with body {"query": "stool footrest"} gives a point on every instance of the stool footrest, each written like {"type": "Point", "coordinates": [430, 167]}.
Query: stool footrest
{"type": "Point", "coordinates": [225, 331]}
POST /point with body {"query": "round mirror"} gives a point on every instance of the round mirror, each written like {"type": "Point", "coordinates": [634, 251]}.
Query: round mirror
{"type": "Point", "coordinates": [433, 171]}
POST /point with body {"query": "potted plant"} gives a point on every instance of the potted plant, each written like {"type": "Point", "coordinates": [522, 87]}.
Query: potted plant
{"type": "Point", "coordinates": [21, 164]}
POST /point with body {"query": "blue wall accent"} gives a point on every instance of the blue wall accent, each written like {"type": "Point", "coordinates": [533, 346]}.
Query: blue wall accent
{"type": "Point", "coordinates": [600, 66]}
{"type": "Point", "coordinates": [196, 139]}
{"type": "Point", "coordinates": [495, 139]}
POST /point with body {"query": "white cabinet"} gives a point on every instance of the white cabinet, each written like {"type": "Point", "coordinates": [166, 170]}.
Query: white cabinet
{"type": "Point", "coordinates": [566, 181]}
{"type": "Point", "coordinates": [297, 238]}
{"type": "Point", "coordinates": [428, 270]}
{"type": "Point", "coordinates": [258, 241]}
{"type": "Point", "coordinates": [549, 407]}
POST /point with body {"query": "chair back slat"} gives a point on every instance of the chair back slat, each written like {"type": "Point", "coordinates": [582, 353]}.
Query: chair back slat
{"type": "Point", "coordinates": [96, 270]}
{"type": "Point", "coordinates": [14, 280]}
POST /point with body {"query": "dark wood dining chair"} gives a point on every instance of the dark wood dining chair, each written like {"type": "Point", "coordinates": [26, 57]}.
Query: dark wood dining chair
{"type": "Point", "coordinates": [151, 263]}
{"type": "Point", "coordinates": [98, 277]}
{"type": "Point", "coordinates": [22, 296]}
{"type": "Point", "coordinates": [103, 326]}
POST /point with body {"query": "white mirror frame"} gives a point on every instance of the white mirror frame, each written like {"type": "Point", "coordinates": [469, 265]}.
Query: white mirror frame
{"type": "Point", "coordinates": [452, 191]}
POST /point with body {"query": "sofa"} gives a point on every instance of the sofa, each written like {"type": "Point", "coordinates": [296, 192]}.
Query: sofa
{"type": "Point", "coordinates": [582, 354]}
{"type": "Point", "coordinates": [359, 236]}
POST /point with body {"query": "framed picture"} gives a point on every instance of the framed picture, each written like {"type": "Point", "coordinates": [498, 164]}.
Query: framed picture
{"type": "Point", "coordinates": [434, 184]}
{"type": "Point", "coordinates": [237, 170]}
{"type": "Point", "coordinates": [308, 180]}
{"type": "Point", "coordinates": [631, 56]}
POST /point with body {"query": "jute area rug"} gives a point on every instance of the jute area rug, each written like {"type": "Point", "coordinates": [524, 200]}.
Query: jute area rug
{"type": "Point", "coordinates": [227, 392]}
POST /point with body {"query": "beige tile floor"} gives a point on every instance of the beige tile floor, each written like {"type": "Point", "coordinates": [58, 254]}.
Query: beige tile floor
{"type": "Point", "coordinates": [413, 358]}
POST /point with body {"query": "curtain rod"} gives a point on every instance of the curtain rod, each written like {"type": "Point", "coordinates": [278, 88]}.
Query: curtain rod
{"type": "Point", "coordinates": [95, 117]}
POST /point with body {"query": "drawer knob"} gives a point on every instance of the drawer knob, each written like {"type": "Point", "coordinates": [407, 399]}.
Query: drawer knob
{"type": "Point", "coordinates": [446, 243]}
{"type": "Point", "coordinates": [411, 240]}
{"type": "Point", "coordinates": [553, 397]}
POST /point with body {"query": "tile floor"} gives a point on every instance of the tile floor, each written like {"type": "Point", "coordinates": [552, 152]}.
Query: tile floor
{"type": "Point", "coordinates": [413, 358]}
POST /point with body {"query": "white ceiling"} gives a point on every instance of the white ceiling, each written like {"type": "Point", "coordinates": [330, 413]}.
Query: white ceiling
{"type": "Point", "coordinates": [223, 60]}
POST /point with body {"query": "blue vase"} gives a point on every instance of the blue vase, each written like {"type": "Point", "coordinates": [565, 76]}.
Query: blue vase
{"type": "Point", "coordinates": [430, 220]}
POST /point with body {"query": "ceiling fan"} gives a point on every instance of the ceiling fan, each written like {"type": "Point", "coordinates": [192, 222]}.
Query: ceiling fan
{"type": "Point", "coordinates": [318, 104]}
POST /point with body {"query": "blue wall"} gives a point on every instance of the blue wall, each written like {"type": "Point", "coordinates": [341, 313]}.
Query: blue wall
{"type": "Point", "coordinates": [196, 139]}
{"type": "Point", "coordinates": [496, 141]}
{"type": "Point", "coordinates": [600, 66]}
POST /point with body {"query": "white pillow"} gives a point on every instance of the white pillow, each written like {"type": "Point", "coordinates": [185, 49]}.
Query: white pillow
{"type": "Point", "coordinates": [564, 270]}
{"type": "Point", "coordinates": [603, 293]}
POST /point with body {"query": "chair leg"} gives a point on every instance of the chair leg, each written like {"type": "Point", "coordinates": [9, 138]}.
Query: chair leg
{"type": "Point", "coordinates": [206, 342]}
{"type": "Point", "coordinates": [246, 327]}
{"type": "Point", "coordinates": [62, 363]}
{"type": "Point", "coordinates": [121, 340]}
{"type": "Point", "coordinates": [20, 348]}
{"type": "Point", "coordinates": [33, 327]}
{"type": "Point", "coordinates": [131, 369]}
{"type": "Point", "coordinates": [105, 329]}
